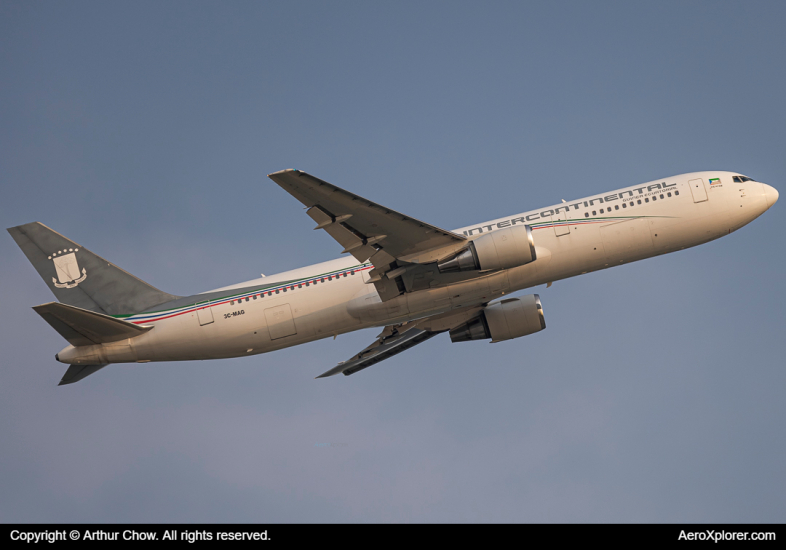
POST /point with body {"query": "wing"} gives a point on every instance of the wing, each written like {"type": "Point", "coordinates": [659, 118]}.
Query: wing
{"type": "Point", "coordinates": [367, 230]}
{"type": "Point", "coordinates": [397, 338]}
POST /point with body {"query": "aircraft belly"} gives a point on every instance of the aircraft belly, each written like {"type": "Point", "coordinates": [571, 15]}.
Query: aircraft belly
{"type": "Point", "coordinates": [426, 302]}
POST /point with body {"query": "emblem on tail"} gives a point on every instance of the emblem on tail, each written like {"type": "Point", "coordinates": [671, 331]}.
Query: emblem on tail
{"type": "Point", "coordinates": [67, 268]}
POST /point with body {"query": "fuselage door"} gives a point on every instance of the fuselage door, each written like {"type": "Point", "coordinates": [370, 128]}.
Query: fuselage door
{"type": "Point", "coordinates": [560, 222]}
{"type": "Point", "coordinates": [204, 313]}
{"type": "Point", "coordinates": [698, 190]}
{"type": "Point", "coordinates": [280, 322]}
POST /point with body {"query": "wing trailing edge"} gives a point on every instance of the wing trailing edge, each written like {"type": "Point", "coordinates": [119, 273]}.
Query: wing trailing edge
{"type": "Point", "coordinates": [381, 350]}
{"type": "Point", "coordinates": [397, 338]}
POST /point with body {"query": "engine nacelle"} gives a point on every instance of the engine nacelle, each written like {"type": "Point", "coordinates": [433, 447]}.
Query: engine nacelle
{"type": "Point", "coordinates": [500, 249]}
{"type": "Point", "coordinates": [505, 320]}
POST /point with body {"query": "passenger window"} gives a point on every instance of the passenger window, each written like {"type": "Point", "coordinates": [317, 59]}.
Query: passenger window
{"type": "Point", "coordinates": [646, 200]}
{"type": "Point", "coordinates": [638, 201]}
{"type": "Point", "coordinates": [255, 296]}
{"type": "Point", "coordinates": [601, 211]}
{"type": "Point", "coordinates": [654, 198]}
{"type": "Point", "coordinates": [594, 213]}
{"type": "Point", "coordinates": [631, 203]}
{"type": "Point", "coordinates": [616, 207]}
{"type": "Point", "coordinates": [624, 205]}
{"type": "Point", "coordinates": [668, 194]}
{"type": "Point", "coordinates": [676, 192]}
{"type": "Point", "coordinates": [661, 197]}
{"type": "Point", "coordinates": [586, 214]}
{"type": "Point", "coordinates": [277, 291]}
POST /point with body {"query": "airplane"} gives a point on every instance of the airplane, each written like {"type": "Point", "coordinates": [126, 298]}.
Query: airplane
{"type": "Point", "coordinates": [412, 278]}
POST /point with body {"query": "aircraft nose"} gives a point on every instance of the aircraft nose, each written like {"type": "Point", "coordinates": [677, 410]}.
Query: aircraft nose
{"type": "Point", "coordinates": [770, 194]}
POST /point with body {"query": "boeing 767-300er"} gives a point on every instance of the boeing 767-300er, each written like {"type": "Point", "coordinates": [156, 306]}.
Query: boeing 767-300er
{"type": "Point", "coordinates": [414, 279]}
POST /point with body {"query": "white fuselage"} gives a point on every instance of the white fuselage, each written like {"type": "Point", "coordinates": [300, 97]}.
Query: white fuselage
{"type": "Point", "coordinates": [333, 297]}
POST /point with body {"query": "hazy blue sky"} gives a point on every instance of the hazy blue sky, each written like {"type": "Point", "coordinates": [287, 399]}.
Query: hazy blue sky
{"type": "Point", "coordinates": [145, 131]}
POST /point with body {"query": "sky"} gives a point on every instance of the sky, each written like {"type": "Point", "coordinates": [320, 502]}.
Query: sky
{"type": "Point", "coordinates": [145, 131]}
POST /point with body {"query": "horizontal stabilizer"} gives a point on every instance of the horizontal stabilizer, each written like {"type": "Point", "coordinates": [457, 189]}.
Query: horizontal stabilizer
{"type": "Point", "coordinates": [76, 372]}
{"type": "Point", "coordinates": [83, 328]}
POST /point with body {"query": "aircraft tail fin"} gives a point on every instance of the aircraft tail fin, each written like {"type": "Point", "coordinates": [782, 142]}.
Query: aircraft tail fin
{"type": "Point", "coordinates": [84, 328]}
{"type": "Point", "coordinates": [79, 278]}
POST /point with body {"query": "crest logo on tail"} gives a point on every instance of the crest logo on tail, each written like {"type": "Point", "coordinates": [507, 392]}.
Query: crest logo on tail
{"type": "Point", "coordinates": [67, 268]}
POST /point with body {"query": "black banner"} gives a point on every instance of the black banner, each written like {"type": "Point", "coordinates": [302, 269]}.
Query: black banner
{"type": "Point", "coordinates": [162, 534]}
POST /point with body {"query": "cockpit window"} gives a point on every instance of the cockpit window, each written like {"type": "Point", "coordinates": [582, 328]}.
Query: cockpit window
{"type": "Point", "coordinates": [740, 179]}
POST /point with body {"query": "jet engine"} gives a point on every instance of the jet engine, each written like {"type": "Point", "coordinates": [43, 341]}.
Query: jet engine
{"type": "Point", "coordinates": [500, 249]}
{"type": "Point", "coordinates": [505, 320]}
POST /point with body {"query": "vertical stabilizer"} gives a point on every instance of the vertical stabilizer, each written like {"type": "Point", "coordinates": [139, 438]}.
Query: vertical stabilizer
{"type": "Point", "coordinates": [79, 278]}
